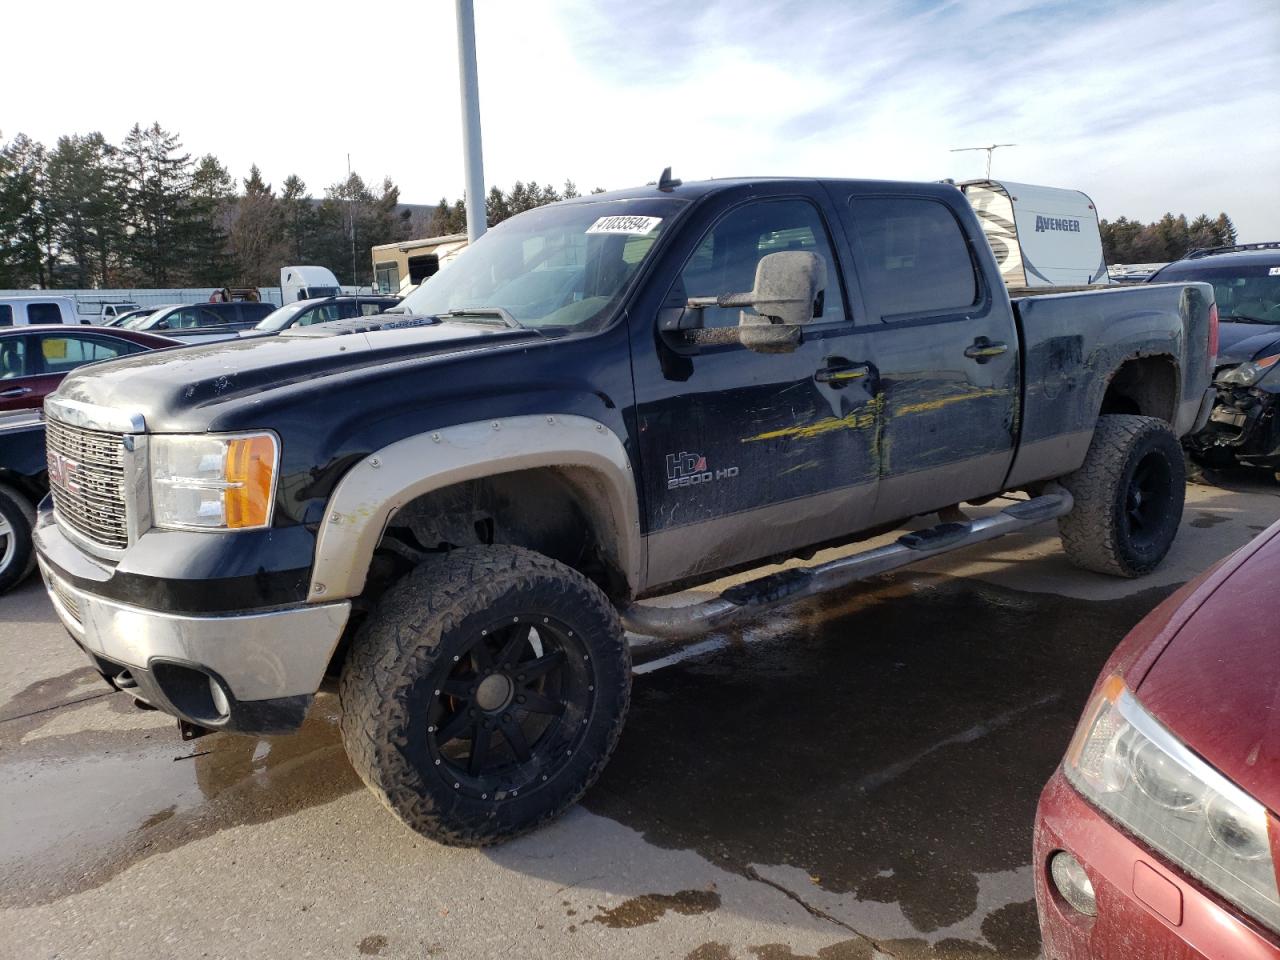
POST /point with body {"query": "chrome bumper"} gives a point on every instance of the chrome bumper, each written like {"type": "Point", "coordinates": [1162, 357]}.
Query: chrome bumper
{"type": "Point", "coordinates": [260, 656]}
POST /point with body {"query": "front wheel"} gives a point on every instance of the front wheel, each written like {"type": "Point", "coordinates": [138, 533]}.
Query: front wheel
{"type": "Point", "coordinates": [485, 693]}
{"type": "Point", "coordinates": [1128, 497]}
{"type": "Point", "coordinates": [17, 553]}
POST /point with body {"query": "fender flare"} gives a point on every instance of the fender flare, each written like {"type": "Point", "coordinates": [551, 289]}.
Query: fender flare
{"type": "Point", "coordinates": [371, 492]}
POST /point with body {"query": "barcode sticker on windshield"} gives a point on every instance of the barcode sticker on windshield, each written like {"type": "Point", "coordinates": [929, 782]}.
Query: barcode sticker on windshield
{"type": "Point", "coordinates": [631, 226]}
{"type": "Point", "coordinates": [1274, 272]}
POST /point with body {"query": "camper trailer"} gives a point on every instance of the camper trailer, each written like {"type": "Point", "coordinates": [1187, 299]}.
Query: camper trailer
{"type": "Point", "coordinates": [306, 283]}
{"type": "Point", "coordinates": [1041, 236]}
{"type": "Point", "coordinates": [399, 267]}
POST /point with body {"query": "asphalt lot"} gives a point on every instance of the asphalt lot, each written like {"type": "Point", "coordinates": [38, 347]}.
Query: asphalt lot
{"type": "Point", "coordinates": [850, 777]}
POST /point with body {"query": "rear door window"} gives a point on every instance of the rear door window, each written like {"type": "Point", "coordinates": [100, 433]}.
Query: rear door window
{"type": "Point", "coordinates": [6, 315]}
{"type": "Point", "coordinates": [43, 313]}
{"type": "Point", "coordinates": [59, 354]}
{"type": "Point", "coordinates": [914, 256]}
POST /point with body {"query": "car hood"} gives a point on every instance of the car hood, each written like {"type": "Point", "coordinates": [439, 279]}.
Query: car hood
{"type": "Point", "coordinates": [184, 388]}
{"type": "Point", "coordinates": [1239, 342]}
{"type": "Point", "coordinates": [1216, 684]}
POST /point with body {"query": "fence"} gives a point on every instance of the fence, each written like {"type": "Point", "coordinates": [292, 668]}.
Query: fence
{"type": "Point", "coordinates": [89, 302]}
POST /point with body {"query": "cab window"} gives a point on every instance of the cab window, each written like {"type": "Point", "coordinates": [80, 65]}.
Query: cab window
{"type": "Point", "coordinates": [915, 257]}
{"type": "Point", "coordinates": [43, 313]}
{"type": "Point", "coordinates": [726, 258]}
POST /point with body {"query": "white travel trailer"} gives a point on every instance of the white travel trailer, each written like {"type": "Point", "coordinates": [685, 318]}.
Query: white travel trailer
{"type": "Point", "coordinates": [1041, 236]}
{"type": "Point", "coordinates": [305, 283]}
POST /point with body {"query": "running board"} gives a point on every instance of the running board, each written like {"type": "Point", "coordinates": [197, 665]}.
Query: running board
{"type": "Point", "coordinates": [793, 584]}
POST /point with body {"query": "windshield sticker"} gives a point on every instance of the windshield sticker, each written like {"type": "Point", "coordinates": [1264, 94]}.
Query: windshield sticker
{"type": "Point", "coordinates": [1274, 272]}
{"type": "Point", "coordinates": [630, 226]}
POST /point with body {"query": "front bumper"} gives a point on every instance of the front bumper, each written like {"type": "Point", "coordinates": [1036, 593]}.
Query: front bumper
{"type": "Point", "coordinates": [268, 663]}
{"type": "Point", "coordinates": [1243, 424]}
{"type": "Point", "coordinates": [1186, 923]}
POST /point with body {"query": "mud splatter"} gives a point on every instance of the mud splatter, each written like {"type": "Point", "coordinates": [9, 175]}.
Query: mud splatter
{"type": "Point", "coordinates": [710, 951]}
{"type": "Point", "coordinates": [650, 907]}
{"type": "Point", "coordinates": [372, 945]}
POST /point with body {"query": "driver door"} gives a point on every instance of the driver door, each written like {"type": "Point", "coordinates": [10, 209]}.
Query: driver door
{"type": "Point", "coordinates": [747, 455]}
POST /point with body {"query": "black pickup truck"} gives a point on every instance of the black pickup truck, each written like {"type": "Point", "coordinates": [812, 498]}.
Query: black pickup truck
{"type": "Point", "coordinates": [456, 507]}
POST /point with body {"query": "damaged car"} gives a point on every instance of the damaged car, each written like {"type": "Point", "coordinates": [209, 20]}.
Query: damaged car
{"type": "Point", "coordinates": [1246, 284]}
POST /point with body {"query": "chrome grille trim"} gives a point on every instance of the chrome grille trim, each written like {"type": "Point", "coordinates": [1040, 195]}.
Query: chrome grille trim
{"type": "Point", "coordinates": [92, 502]}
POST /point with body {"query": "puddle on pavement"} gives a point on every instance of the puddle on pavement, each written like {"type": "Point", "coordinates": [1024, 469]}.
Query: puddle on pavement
{"type": "Point", "coordinates": [79, 808]}
{"type": "Point", "coordinates": [650, 908]}
{"type": "Point", "coordinates": [890, 741]}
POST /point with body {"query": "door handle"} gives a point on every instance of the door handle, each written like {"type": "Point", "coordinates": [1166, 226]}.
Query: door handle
{"type": "Point", "coordinates": [839, 373]}
{"type": "Point", "coordinates": [983, 349]}
{"type": "Point", "coordinates": [15, 392]}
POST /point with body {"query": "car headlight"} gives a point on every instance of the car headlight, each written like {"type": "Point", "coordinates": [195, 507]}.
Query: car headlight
{"type": "Point", "coordinates": [213, 482]}
{"type": "Point", "coordinates": [1125, 762]}
{"type": "Point", "coordinates": [1247, 374]}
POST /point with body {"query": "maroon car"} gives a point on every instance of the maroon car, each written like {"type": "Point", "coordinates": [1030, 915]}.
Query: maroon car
{"type": "Point", "coordinates": [1158, 835]}
{"type": "Point", "coordinates": [34, 359]}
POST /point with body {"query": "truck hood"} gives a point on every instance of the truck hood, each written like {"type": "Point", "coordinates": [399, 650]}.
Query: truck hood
{"type": "Point", "coordinates": [168, 386]}
{"type": "Point", "coordinates": [1216, 685]}
{"type": "Point", "coordinates": [1240, 342]}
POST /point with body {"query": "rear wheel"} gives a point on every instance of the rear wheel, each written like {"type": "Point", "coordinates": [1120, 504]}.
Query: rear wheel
{"type": "Point", "coordinates": [1128, 497]}
{"type": "Point", "coordinates": [17, 554]}
{"type": "Point", "coordinates": [485, 693]}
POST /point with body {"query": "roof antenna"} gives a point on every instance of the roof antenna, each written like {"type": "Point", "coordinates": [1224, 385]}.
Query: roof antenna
{"type": "Point", "coordinates": [666, 183]}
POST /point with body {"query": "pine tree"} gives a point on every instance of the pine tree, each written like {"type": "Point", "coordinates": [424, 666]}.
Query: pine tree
{"type": "Point", "coordinates": [156, 183]}
{"type": "Point", "coordinates": [257, 234]}
{"type": "Point", "coordinates": [22, 230]}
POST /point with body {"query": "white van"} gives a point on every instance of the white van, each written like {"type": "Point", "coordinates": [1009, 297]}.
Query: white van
{"type": "Point", "coordinates": [307, 283]}
{"type": "Point", "coordinates": [1041, 236]}
{"type": "Point", "coordinates": [20, 311]}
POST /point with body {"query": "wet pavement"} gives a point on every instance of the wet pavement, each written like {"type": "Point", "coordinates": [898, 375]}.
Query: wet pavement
{"type": "Point", "coordinates": [852, 777]}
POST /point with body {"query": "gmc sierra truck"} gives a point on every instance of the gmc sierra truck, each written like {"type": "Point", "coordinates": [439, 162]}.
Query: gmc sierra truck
{"type": "Point", "coordinates": [456, 508]}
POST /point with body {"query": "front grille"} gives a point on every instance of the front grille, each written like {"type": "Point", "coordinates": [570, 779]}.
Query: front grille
{"type": "Point", "coordinates": [86, 477]}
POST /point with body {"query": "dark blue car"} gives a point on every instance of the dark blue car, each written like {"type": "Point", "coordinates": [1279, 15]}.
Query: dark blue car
{"type": "Point", "coordinates": [1246, 285]}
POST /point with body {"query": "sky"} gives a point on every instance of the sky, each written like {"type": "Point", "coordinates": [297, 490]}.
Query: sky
{"type": "Point", "coordinates": [1166, 105]}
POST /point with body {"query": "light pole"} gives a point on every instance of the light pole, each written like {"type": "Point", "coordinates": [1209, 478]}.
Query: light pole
{"type": "Point", "coordinates": [990, 150]}
{"type": "Point", "coordinates": [472, 156]}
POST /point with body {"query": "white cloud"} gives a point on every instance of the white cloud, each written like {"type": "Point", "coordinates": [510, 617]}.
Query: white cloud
{"type": "Point", "coordinates": [1154, 106]}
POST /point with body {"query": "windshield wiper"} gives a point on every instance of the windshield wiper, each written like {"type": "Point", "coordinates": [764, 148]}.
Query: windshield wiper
{"type": "Point", "coordinates": [502, 313]}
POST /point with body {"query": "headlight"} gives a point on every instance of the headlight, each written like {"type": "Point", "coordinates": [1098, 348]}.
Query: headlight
{"type": "Point", "coordinates": [1127, 764]}
{"type": "Point", "coordinates": [1247, 374]}
{"type": "Point", "coordinates": [213, 482]}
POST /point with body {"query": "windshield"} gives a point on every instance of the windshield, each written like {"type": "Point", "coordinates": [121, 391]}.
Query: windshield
{"type": "Point", "coordinates": [281, 318]}
{"type": "Point", "coordinates": [562, 266]}
{"type": "Point", "coordinates": [1244, 292]}
{"type": "Point", "coordinates": [143, 320]}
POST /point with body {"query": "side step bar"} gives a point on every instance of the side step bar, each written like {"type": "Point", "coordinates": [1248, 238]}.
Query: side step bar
{"type": "Point", "coordinates": [786, 585]}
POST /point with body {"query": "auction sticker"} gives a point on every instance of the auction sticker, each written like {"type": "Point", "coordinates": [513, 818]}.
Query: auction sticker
{"type": "Point", "coordinates": [1274, 272]}
{"type": "Point", "coordinates": [630, 226]}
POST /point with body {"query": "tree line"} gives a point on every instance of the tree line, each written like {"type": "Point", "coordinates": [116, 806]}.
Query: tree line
{"type": "Point", "coordinates": [1169, 238]}
{"type": "Point", "coordinates": [449, 218]}
{"type": "Point", "coordinates": [145, 213]}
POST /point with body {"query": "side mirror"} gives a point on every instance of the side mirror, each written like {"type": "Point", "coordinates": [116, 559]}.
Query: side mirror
{"type": "Point", "coordinates": [162, 325]}
{"type": "Point", "coordinates": [789, 287]}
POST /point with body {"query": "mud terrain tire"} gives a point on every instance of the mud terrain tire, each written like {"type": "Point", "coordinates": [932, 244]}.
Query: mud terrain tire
{"type": "Point", "coordinates": [502, 650]}
{"type": "Point", "coordinates": [1128, 497]}
{"type": "Point", "coordinates": [17, 553]}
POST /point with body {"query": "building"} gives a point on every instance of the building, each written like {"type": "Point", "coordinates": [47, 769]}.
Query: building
{"type": "Point", "coordinates": [399, 267]}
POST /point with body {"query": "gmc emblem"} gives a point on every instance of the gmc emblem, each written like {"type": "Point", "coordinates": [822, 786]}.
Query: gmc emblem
{"type": "Point", "coordinates": [63, 472]}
